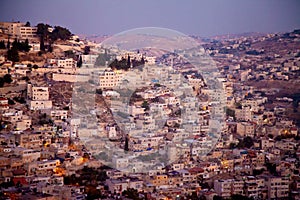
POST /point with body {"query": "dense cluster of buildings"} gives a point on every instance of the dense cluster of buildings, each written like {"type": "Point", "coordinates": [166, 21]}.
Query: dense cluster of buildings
{"type": "Point", "coordinates": [19, 30]}
{"type": "Point", "coordinates": [157, 139]}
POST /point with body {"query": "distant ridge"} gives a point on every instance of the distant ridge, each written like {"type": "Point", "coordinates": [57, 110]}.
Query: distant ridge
{"type": "Point", "coordinates": [94, 38]}
{"type": "Point", "coordinates": [100, 38]}
{"type": "Point", "coordinates": [238, 35]}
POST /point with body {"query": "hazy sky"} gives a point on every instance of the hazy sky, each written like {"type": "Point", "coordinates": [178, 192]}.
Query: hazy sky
{"type": "Point", "coordinates": [197, 17]}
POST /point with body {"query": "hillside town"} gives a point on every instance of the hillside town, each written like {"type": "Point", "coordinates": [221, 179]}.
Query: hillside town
{"type": "Point", "coordinates": [66, 133]}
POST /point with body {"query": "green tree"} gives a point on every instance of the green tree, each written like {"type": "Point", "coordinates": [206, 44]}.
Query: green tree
{"type": "Point", "coordinates": [99, 91]}
{"type": "Point", "coordinates": [145, 105]}
{"type": "Point", "coordinates": [7, 78]}
{"type": "Point", "coordinates": [50, 47]}
{"type": "Point", "coordinates": [15, 44]}
{"type": "Point", "coordinates": [126, 148]}
{"type": "Point", "coordinates": [87, 50]}
{"type": "Point", "coordinates": [136, 63]}
{"type": "Point", "coordinates": [143, 61]}
{"type": "Point", "coordinates": [43, 33]}
{"type": "Point", "coordinates": [26, 46]}
{"type": "Point", "coordinates": [2, 44]}
{"type": "Point", "coordinates": [11, 102]}
{"type": "Point", "coordinates": [246, 142]}
{"type": "Point", "coordinates": [79, 62]}
{"type": "Point", "coordinates": [131, 193]}
{"type": "Point", "coordinates": [230, 112]}
{"type": "Point", "coordinates": [1, 82]}
{"type": "Point", "coordinates": [35, 66]}
{"type": "Point", "coordinates": [271, 167]}
{"type": "Point", "coordinates": [128, 62]}
{"type": "Point", "coordinates": [13, 55]}
{"type": "Point", "coordinates": [60, 33]}
{"type": "Point", "coordinates": [116, 64]}
{"type": "Point", "coordinates": [27, 24]}
{"type": "Point", "coordinates": [21, 46]}
{"type": "Point", "coordinates": [102, 59]}
{"type": "Point", "coordinates": [8, 44]}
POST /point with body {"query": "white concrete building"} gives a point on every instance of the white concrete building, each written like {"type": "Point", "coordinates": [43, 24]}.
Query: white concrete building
{"type": "Point", "coordinates": [63, 63]}
{"type": "Point", "coordinates": [120, 163]}
{"type": "Point", "coordinates": [244, 114]}
{"type": "Point", "coordinates": [38, 97]}
{"type": "Point", "coordinates": [26, 32]}
{"type": "Point", "coordinates": [58, 114]}
{"type": "Point", "coordinates": [19, 30]}
{"type": "Point", "coordinates": [88, 60]}
{"type": "Point", "coordinates": [246, 129]}
{"type": "Point", "coordinates": [278, 187]}
{"type": "Point", "coordinates": [109, 79]}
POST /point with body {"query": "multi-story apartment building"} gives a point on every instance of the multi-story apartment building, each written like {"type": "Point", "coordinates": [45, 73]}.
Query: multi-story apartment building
{"type": "Point", "coordinates": [23, 124]}
{"type": "Point", "coordinates": [26, 32]}
{"type": "Point", "coordinates": [58, 114]}
{"type": "Point", "coordinates": [278, 187]}
{"type": "Point", "coordinates": [253, 103]}
{"type": "Point", "coordinates": [42, 167]}
{"type": "Point", "coordinates": [64, 62]}
{"type": "Point", "coordinates": [244, 114]}
{"type": "Point", "coordinates": [195, 81]}
{"type": "Point", "coordinates": [267, 143]}
{"type": "Point", "coordinates": [27, 140]}
{"type": "Point", "coordinates": [88, 60]}
{"type": "Point", "coordinates": [27, 155]}
{"type": "Point", "coordinates": [19, 30]}
{"type": "Point", "coordinates": [224, 188]}
{"type": "Point", "coordinates": [109, 79]}
{"type": "Point", "coordinates": [17, 119]}
{"type": "Point", "coordinates": [246, 129]}
{"type": "Point", "coordinates": [160, 180]}
{"type": "Point", "coordinates": [38, 97]}
{"type": "Point", "coordinates": [37, 93]}
{"type": "Point", "coordinates": [11, 27]}
{"type": "Point", "coordinates": [268, 187]}
{"type": "Point", "coordinates": [254, 187]}
{"type": "Point", "coordinates": [249, 186]}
